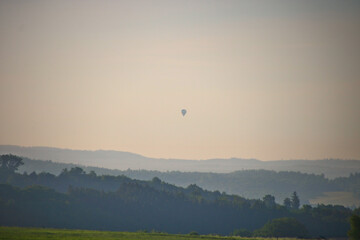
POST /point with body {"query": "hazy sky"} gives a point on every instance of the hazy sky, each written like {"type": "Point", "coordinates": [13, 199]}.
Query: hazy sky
{"type": "Point", "coordinates": [260, 79]}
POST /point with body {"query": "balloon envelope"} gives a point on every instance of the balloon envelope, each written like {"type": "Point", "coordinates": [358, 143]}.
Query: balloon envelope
{"type": "Point", "coordinates": [183, 112]}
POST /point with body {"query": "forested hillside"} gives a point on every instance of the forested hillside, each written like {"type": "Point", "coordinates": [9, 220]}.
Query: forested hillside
{"type": "Point", "coordinates": [75, 199]}
{"type": "Point", "coordinates": [257, 183]}
{"type": "Point", "coordinates": [246, 183]}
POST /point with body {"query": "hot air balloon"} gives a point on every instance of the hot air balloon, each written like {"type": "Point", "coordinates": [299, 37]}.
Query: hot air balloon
{"type": "Point", "coordinates": [183, 112]}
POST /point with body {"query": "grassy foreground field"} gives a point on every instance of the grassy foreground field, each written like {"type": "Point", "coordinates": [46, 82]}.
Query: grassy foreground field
{"type": "Point", "coordinates": [47, 233]}
{"type": "Point", "coordinates": [10, 233]}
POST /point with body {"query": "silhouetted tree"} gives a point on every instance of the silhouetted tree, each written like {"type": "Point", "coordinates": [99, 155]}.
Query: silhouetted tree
{"type": "Point", "coordinates": [75, 171]}
{"type": "Point", "coordinates": [156, 180]}
{"type": "Point", "coordinates": [287, 203]}
{"type": "Point", "coordinates": [295, 201]}
{"type": "Point", "coordinates": [269, 201]}
{"type": "Point", "coordinates": [92, 174]}
{"type": "Point", "coordinates": [10, 163]}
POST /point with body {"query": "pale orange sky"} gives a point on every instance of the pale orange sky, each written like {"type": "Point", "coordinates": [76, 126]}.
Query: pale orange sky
{"type": "Point", "coordinates": [260, 79]}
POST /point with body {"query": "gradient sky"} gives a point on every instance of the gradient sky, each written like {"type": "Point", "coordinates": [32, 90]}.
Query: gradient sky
{"type": "Point", "coordinates": [260, 79]}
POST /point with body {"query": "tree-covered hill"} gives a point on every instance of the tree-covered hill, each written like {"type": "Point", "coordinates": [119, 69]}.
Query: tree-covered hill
{"type": "Point", "coordinates": [246, 183]}
{"type": "Point", "coordinates": [76, 199]}
{"type": "Point", "coordinates": [257, 183]}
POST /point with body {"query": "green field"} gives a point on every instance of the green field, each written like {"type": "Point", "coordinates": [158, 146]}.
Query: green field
{"type": "Point", "coordinates": [9, 233]}
{"type": "Point", "coordinates": [47, 233]}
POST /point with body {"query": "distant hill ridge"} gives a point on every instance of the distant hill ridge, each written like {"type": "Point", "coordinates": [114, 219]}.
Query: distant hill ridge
{"type": "Point", "coordinates": [331, 168]}
{"type": "Point", "coordinates": [246, 183]}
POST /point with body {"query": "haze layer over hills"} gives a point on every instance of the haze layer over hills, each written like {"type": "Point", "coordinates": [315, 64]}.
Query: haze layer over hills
{"type": "Point", "coordinates": [331, 168]}
{"type": "Point", "coordinates": [253, 184]}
